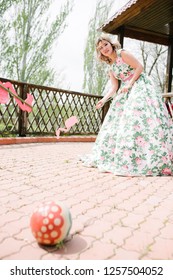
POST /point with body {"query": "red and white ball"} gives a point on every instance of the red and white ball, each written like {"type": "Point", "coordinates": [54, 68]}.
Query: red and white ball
{"type": "Point", "coordinates": [51, 223]}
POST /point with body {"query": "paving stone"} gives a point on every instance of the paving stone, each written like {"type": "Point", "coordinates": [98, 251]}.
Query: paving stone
{"type": "Point", "coordinates": [99, 251]}
{"type": "Point", "coordinates": [121, 254]}
{"type": "Point", "coordinates": [132, 220]}
{"type": "Point", "coordinates": [152, 225]}
{"type": "Point", "coordinates": [140, 242]}
{"type": "Point", "coordinates": [10, 246]}
{"type": "Point", "coordinates": [117, 235]}
{"type": "Point", "coordinates": [167, 231]}
{"type": "Point", "coordinates": [162, 249]}
{"type": "Point", "coordinates": [27, 252]}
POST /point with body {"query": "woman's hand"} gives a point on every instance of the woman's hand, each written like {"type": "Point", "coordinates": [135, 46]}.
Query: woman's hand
{"type": "Point", "coordinates": [100, 104]}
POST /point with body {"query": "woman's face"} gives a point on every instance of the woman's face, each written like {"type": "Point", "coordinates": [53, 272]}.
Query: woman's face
{"type": "Point", "coordinates": [105, 48]}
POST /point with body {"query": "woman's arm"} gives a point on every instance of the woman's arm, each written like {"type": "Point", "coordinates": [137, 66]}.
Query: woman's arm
{"type": "Point", "coordinates": [114, 83]}
{"type": "Point", "coordinates": [129, 59]}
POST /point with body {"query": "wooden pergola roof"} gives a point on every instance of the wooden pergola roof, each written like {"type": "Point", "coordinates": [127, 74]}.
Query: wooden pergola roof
{"type": "Point", "coordinates": [146, 20]}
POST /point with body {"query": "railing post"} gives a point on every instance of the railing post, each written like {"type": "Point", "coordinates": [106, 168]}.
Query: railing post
{"type": "Point", "coordinates": [105, 109]}
{"type": "Point", "coordinates": [23, 116]}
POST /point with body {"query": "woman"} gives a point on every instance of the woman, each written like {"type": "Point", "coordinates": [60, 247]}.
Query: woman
{"type": "Point", "coordinates": [136, 137]}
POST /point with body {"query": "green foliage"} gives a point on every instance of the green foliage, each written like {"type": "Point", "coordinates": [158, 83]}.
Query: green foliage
{"type": "Point", "coordinates": [27, 38]}
{"type": "Point", "coordinates": [95, 77]}
{"type": "Point", "coordinates": [5, 4]}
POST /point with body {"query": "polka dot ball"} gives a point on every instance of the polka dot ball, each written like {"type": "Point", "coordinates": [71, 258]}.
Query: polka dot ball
{"type": "Point", "coordinates": [51, 223]}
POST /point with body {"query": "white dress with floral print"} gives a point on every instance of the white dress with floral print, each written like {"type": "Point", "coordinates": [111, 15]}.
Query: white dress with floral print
{"type": "Point", "coordinates": [136, 137]}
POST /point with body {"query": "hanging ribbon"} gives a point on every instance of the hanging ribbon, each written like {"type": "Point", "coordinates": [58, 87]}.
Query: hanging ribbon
{"type": "Point", "coordinates": [68, 124]}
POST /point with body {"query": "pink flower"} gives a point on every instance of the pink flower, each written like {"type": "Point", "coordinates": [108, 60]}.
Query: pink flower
{"type": "Point", "coordinates": [111, 141]}
{"type": "Point", "coordinates": [118, 104]}
{"type": "Point", "coordinates": [156, 104]}
{"type": "Point", "coordinates": [161, 134]}
{"type": "Point", "coordinates": [164, 159]}
{"type": "Point", "coordinates": [171, 155]}
{"type": "Point", "coordinates": [125, 167]}
{"type": "Point", "coordinates": [149, 120]}
{"type": "Point", "coordinates": [158, 120]}
{"type": "Point", "coordinates": [127, 153]}
{"type": "Point", "coordinates": [118, 61]}
{"type": "Point", "coordinates": [150, 101]}
{"type": "Point", "coordinates": [137, 127]}
{"type": "Point", "coordinates": [163, 145]}
{"type": "Point", "coordinates": [140, 141]}
{"type": "Point", "coordinates": [120, 113]}
{"type": "Point", "coordinates": [122, 142]}
{"type": "Point", "coordinates": [166, 171]}
{"type": "Point", "coordinates": [138, 161]}
{"type": "Point", "coordinates": [151, 152]}
{"type": "Point", "coordinates": [122, 76]}
{"type": "Point", "coordinates": [151, 123]}
{"type": "Point", "coordinates": [137, 113]}
{"type": "Point", "coordinates": [170, 122]}
{"type": "Point", "coordinates": [149, 172]}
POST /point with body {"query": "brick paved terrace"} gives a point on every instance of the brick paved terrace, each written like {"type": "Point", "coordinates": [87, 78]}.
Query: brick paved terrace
{"type": "Point", "coordinates": [114, 218]}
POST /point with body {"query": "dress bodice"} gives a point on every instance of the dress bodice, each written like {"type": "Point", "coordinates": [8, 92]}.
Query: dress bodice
{"type": "Point", "coordinates": [122, 71]}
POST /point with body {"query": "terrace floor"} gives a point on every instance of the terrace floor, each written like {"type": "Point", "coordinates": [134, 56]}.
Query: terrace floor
{"type": "Point", "coordinates": [114, 218]}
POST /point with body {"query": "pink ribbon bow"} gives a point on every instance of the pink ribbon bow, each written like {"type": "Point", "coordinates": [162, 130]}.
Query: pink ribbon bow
{"type": "Point", "coordinates": [6, 89]}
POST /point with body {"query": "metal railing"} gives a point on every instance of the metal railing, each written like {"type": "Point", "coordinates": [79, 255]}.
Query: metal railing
{"type": "Point", "coordinates": [52, 106]}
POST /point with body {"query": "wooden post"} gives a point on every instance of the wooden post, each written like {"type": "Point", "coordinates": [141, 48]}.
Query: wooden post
{"type": "Point", "coordinates": [105, 109]}
{"type": "Point", "coordinates": [170, 66]}
{"type": "Point", "coordinates": [121, 36]}
{"type": "Point", "coordinates": [23, 115]}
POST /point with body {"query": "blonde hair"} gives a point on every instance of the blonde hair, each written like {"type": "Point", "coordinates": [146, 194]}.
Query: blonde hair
{"type": "Point", "coordinates": [115, 46]}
